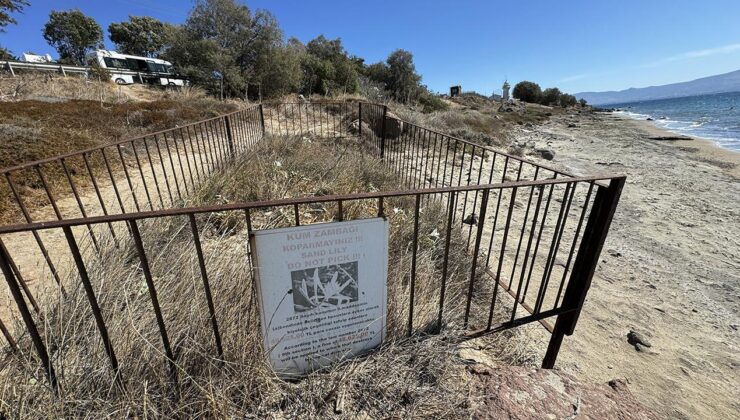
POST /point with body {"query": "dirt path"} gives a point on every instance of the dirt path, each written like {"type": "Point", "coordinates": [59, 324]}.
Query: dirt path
{"type": "Point", "coordinates": [669, 269]}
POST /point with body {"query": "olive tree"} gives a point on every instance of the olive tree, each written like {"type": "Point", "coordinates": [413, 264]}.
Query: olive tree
{"type": "Point", "coordinates": [222, 41]}
{"type": "Point", "coordinates": [527, 91]}
{"type": "Point", "coordinates": [73, 35]}
{"type": "Point", "coordinates": [140, 35]}
{"type": "Point", "coordinates": [550, 96]}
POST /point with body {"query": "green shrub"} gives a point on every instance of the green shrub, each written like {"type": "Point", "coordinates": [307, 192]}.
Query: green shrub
{"type": "Point", "coordinates": [567, 100]}
{"type": "Point", "coordinates": [431, 103]}
{"type": "Point", "coordinates": [527, 91]}
{"type": "Point", "coordinates": [551, 96]}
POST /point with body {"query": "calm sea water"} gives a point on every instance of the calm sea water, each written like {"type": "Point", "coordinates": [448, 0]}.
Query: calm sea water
{"type": "Point", "coordinates": [714, 117]}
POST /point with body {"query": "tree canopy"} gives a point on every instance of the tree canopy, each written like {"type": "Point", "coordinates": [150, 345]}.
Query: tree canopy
{"type": "Point", "coordinates": [140, 35]}
{"type": "Point", "coordinates": [224, 39]}
{"type": "Point", "coordinates": [527, 91]}
{"type": "Point", "coordinates": [73, 35]}
{"type": "Point", "coordinates": [328, 68]}
{"type": "Point", "coordinates": [550, 96]}
{"type": "Point", "coordinates": [6, 8]}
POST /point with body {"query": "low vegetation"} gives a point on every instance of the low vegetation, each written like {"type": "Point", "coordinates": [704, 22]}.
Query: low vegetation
{"type": "Point", "coordinates": [532, 93]}
{"type": "Point", "coordinates": [479, 119]}
{"type": "Point", "coordinates": [418, 376]}
{"type": "Point", "coordinates": [47, 126]}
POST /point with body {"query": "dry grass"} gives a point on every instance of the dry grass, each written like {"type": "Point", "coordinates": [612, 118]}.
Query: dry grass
{"type": "Point", "coordinates": [417, 376]}
{"type": "Point", "coordinates": [478, 119]}
{"type": "Point", "coordinates": [34, 129]}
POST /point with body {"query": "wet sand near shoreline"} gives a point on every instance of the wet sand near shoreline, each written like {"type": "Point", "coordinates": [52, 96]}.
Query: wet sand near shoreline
{"type": "Point", "coordinates": [670, 268]}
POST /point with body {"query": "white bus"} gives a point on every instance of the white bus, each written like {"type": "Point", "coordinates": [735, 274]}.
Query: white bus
{"type": "Point", "coordinates": [127, 69]}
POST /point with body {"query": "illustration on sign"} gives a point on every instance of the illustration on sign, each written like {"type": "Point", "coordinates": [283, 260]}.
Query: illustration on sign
{"type": "Point", "coordinates": [335, 274]}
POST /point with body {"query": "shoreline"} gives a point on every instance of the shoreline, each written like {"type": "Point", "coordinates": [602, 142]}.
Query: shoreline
{"type": "Point", "coordinates": [669, 267]}
{"type": "Point", "coordinates": [663, 130]}
{"type": "Point", "coordinates": [707, 148]}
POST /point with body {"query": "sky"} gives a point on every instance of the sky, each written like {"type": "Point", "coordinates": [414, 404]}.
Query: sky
{"type": "Point", "coordinates": [575, 45]}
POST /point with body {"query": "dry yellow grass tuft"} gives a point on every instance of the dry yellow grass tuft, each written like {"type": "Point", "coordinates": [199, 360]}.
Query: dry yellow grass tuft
{"type": "Point", "coordinates": [418, 376]}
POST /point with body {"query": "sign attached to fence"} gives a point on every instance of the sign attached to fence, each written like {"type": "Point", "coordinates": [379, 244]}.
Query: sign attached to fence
{"type": "Point", "coordinates": [322, 291]}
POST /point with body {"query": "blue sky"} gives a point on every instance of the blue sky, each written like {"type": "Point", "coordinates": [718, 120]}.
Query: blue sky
{"type": "Point", "coordinates": [575, 45]}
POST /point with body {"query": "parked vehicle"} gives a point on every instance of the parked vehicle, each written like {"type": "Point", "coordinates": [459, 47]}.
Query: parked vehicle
{"type": "Point", "coordinates": [35, 58]}
{"type": "Point", "coordinates": [128, 69]}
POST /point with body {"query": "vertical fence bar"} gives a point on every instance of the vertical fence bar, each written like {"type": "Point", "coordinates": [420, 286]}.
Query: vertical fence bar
{"type": "Point", "coordinates": [35, 234]}
{"type": "Point", "coordinates": [476, 249]}
{"type": "Point", "coordinates": [206, 285]}
{"type": "Point", "coordinates": [597, 227]}
{"type": "Point", "coordinates": [359, 111]}
{"type": "Point", "coordinates": [382, 135]}
{"type": "Point", "coordinates": [155, 301]}
{"type": "Point", "coordinates": [450, 211]}
{"type": "Point", "coordinates": [229, 135]}
{"type": "Point", "coordinates": [20, 279]}
{"type": "Point", "coordinates": [501, 256]}
{"type": "Point", "coordinates": [412, 282]}
{"type": "Point", "coordinates": [28, 319]}
{"type": "Point", "coordinates": [93, 302]}
{"type": "Point", "coordinates": [8, 337]}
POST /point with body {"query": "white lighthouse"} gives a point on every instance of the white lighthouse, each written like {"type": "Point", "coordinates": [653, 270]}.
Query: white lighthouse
{"type": "Point", "coordinates": [505, 88]}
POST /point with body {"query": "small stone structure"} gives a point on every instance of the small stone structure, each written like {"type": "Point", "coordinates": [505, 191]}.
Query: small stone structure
{"type": "Point", "coordinates": [505, 96]}
{"type": "Point", "coordinates": [455, 91]}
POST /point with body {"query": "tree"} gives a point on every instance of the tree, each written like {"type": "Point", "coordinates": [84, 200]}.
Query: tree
{"type": "Point", "coordinates": [328, 68]}
{"type": "Point", "coordinates": [73, 35]}
{"type": "Point", "coordinates": [6, 55]}
{"type": "Point", "coordinates": [222, 40]}
{"type": "Point", "coordinates": [567, 100]}
{"type": "Point", "coordinates": [6, 8]}
{"type": "Point", "coordinates": [141, 35]}
{"type": "Point", "coordinates": [582, 102]}
{"type": "Point", "coordinates": [527, 91]}
{"type": "Point", "coordinates": [403, 80]}
{"type": "Point", "coordinates": [550, 96]}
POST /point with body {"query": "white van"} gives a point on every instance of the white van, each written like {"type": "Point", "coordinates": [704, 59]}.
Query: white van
{"type": "Point", "coordinates": [128, 69]}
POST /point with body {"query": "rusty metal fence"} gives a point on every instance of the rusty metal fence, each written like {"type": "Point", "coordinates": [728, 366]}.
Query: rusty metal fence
{"type": "Point", "coordinates": [532, 234]}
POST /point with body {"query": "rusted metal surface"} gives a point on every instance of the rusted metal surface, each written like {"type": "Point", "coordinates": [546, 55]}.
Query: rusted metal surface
{"type": "Point", "coordinates": [515, 217]}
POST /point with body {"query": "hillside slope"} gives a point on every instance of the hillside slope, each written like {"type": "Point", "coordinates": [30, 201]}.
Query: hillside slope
{"type": "Point", "coordinates": [727, 82]}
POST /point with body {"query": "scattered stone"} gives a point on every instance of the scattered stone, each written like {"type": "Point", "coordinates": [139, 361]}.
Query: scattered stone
{"type": "Point", "coordinates": [545, 153]}
{"type": "Point", "coordinates": [471, 219]}
{"type": "Point", "coordinates": [614, 253]}
{"type": "Point", "coordinates": [393, 125]}
{"type": "Point", "coordinates": [572, 125]}
{"type": "Point", "coordinates": [638, 340]}
{"type": "Point", "coordinates": [649, 119]}
{"type": "Point", "coordinates": [522, 393]}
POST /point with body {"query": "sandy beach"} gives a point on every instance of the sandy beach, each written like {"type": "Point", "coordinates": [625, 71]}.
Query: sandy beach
{"type": "Point", "coordinates": [669, 269]}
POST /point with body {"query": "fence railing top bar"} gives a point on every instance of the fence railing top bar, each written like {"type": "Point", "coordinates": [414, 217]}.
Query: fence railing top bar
{"type": "Point", "coordinates": [290, 202]}
{"type": "Point", "coordinates": [492, 150]}
{"type": "Point", "coordinates": [26, 165]}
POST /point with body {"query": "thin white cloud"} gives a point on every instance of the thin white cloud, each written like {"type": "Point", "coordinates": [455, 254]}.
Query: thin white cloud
{"type": "Point", "coordinates": [725, 49]}
{"type": "Point", "coordinates": [574, 78]}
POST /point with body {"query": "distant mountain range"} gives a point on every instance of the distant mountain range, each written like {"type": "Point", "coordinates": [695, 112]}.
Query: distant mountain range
{"type": "Point", "coordinates": [728, 82]}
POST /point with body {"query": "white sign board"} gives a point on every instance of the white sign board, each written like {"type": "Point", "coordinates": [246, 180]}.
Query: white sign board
{"type": "Point", "coordinates": [322, 291]}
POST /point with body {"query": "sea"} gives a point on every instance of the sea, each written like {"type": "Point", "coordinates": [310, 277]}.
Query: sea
{"type": "Point", "coordinates": [714, 117]}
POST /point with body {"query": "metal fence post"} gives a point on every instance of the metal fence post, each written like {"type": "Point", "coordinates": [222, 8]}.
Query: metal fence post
{"type": "Point", "coordinates": [359, 121]}
{"type": "Point", "coordinates": [262, 120]}
{"type": "Point", "coordinates": [589, 251]}
{"type": "Point", "coordinates": [382, 135]}
{"type": "Point", "coordinates": [229, 135]}
{"type": "Point", "coordinates": [38, 342]}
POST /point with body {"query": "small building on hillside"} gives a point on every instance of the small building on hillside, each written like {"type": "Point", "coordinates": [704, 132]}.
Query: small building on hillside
{"type": "Point", "coordinates": [455, 91]}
